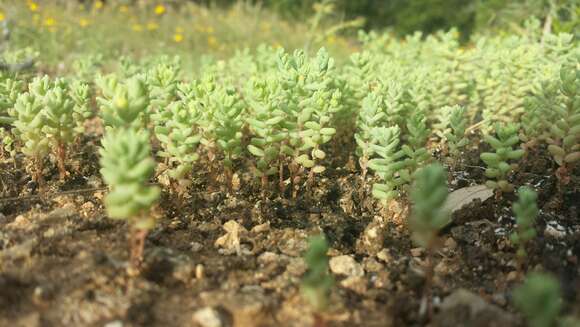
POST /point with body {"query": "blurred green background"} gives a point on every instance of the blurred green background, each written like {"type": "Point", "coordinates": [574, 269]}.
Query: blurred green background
{"type": "Point", "coordinates": [407, 16]}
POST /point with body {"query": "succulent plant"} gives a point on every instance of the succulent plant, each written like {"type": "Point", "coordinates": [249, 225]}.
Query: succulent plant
{"type": "Point", "coordinates": [429, 216]}
{"type": "Point", "coordinates": [179, 137]}
{"type": "Point", "coordinates": [498, 162]}
{"type": "Point", "coordinates": [127, 167]}
{"type": "Point", "coordinates": [372, 115]}
{"type": "Point", "coordinates": [388, 163]}
{"type": "Point", "coordinates": [59, 123]}
{"type": "Point", "coordinates": [10, 88]}
{"type": "Point", "coordinates": [123, 104]}
{"type": "Point", "coordinates": [28, 125]}
{"type": "Point", "coordinates": [564, 127]}
{"type": "Point", "coordinates": [317, 282]}
{"type": "Point", "coordinates": [539, 300]}
{"type": "Point", "coordinates": [454, 136]}
{"type": "Point", "coordinates": [526, 210]}
{"type": "Point", "coordinates": [428, 196]}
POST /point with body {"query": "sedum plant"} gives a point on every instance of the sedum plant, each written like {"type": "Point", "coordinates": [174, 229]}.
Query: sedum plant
{"type": "Point", "coordinates": [7, 148]}
{"type": "Point", "coordinates": [266, 125]}
{"type": "Point", "coordinates": [415, 147]}
{"type": "Point", "coordinates": [123, 104]}
{"type": "Point", "coordinates": [318, 282]}
{"type": "Point", "coordinates": [539, 300]}
{"type": "Point", "coordinates": [498, 162]}
{"type": "Point", "coordinates": [28, 125]}
{"type": "Point", "coordinates": [428, 216]}
{"type": "Point", "coordinates": [60, 122]}
{"type": "Point", "coordinates": [371, 115]}
{"type": "Point", "coordinates": [10, 88]}
{"type": "Point", "coordinates": [526, 210]}
{"type": "Point", "coordinates": [127, 167]}
{"type": "Point", "coordinates": [388, 163]}
{"type": "Point", "coordinates": [179, 139]}
{"type": "Point", "coordinates": [455, 137]}
{"type": "Point", "coordinates": [564, 127]}
{"type": "Point", "coordinates": [80, 94]}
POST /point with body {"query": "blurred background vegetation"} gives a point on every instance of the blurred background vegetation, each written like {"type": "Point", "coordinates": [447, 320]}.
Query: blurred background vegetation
{"type": "Point", "coordinates": [59, 32]}
{"type": "Point", "coordinates": [469, 16]}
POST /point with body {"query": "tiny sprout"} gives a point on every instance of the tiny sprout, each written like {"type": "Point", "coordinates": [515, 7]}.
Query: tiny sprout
{"type": "Point", "coordinates": [526, 211]}
{"type": "Point", "coordinates": [429, 216]}
{"type": "Point", "coordinates": [539, 300]}
{"type": "Point", "coordinates": [317, 282]}
{"type": "Point", "coordinates": [127, 166]}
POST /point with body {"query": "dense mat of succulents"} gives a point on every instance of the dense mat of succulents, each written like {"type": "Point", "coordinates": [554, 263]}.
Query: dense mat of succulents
{"type": "Point", "coordinates": [272, 120]}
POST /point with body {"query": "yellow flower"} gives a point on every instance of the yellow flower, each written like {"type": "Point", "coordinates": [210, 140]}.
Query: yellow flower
{"type": "Point", "coordinates": [331, 39]}
{"type": "Point", "coordinates": [123, 9]}
{"type": "Point", "coordinates": [209, 30]}
{"type": "Point", "coordinates": [2, 17]}
{"type": "Point", "coordinates": [49, 22]}
{"type": "Point", "coordinates": [159, 9]}
{"type": "Point", "coordinates": [178, 37]}
{"type": "Point", "coordinates": [98, 5]}
{"type": "Point", "coordinates": [137, 27]}
{"type": "Point", "coordinates": [33, 6]}
{"type": "Point", "coordinates": [83, 22]}
{"type": "Point", "coordinates": [212, 41]}
{"type": "Point", "coordinates": [152, 26]}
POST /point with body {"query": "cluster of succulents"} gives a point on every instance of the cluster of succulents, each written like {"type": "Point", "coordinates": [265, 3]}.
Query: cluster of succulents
{"type": "Point", "coordinates": [49, 116]}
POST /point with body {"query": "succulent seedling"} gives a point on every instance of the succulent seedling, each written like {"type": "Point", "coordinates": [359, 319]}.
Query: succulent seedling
{"type": "Point", "coordinates": [498, 162]}
{"type": "Point", "coordinates": [388, 163]}
{"type": "Point", "coordinates": [564, 128]}
{"type": "Point", "coordinates": [179, 137]}
{"type": "Point", "coordinates": [455, 136]}
{"type": "Point", "coordinates": [318, 282]}
{"type": "Point", "coordinates": [28, 127]}
{"type": "Point", "coordinates": [526, 210]}
{"type": "Point", "coordinates": [127, 167]}
{"type": "Point", "coordinates": [429, 216]}
{"type": "Point", "coordinates": [538, 299]}
{"type": "Point", "coordinates": [123, 104]}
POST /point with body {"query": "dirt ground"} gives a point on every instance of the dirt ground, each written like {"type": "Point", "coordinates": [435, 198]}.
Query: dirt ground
{"type": "Point", "coordinates": [63, 262]}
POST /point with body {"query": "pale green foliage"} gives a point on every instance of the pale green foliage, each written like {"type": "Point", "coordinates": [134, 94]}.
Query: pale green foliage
{"type": "Point", "coordinates": [388, 162]}
{"type": "Point", "coordinates": [498, 162]}
{"type": "Point", "coordinates": [60, 116]}
{"type": "Point", "coordinates": [291, 113]}
{"type": "Point", "coordinates": [179, 137]}
{"type": "Point", "coordinates": [428, 195]}
{"type": "Point", "coordinates": [311, 103]}
{"type": "Point", "coordinates": [526, 210]}
{"type": "Point", "coordinates": [163, 83]}
{"type": "Point", "coordinates": [265, 122]}
{"type": "Point", "coordinates": [539, 300]}
{"type": "Point", "coordinates": [222, 117]}
{"type": "Point", "coordinates": [415, 147]}
{"type": "Point", "coordinates": [564, 127]}
{"type": "Point", "coordinates": [10, 88]}
{"type": "Point", "coordinates": [317, 281]}
{"type": "Point", "coordinates": [29, 123]}
{"type": "Point", "coordinates": [123, 103]}
{"type": "Point", "coordinates": [7, 147]}
{"type": "Point", "coordinates": [371, 115]}
{"type": "Point", "coordinates": [127, 167]}
{"type": "Point", "coordinates": [87, 66]}
{"type": "Point", "coordinates": [455, 135]}
{"type": "Point", "coordinates": [80, 93]}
